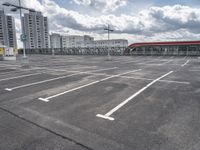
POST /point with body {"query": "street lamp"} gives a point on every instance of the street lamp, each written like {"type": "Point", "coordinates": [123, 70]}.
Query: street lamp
{"type": "Point", "coordinates": [109, 30]}
{"type": "Point", "coordinates": [16, 7]}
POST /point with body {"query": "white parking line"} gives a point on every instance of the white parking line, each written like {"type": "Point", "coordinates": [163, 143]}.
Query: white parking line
{"type": "Point", "coordinates": [185, 63]}
{"type": "Point", "coordinates": [12, 65]}
{"type": "Point", "coordinates": [151, 61]}
{"type": "Point", "coordinates": [127, 62]}
{"type": "Point", "coordinates": [80, 87]}
{"type": "Point", "coordinates": [148, 79]}
{"type": "Point", "coordinates": [5, 73]}
{"type": "Point", "coordinates": [79, 71]}
{"type": "Point", "coordinates": [194, 70]}
{"type": "Point", "coordinates": [165, 63]}
{"type": "Point", "coordinates": [74, 68]}
{"type": "Point", "coordinates": [53, 79]}
{"type": "Point", "coordinates": [107, 115]}
{"type": "Point", "coordinates": [26, 75]}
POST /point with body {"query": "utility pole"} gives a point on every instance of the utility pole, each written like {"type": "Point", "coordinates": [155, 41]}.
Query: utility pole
{"type": "Point", "coordinates": [23, 30]}
{"type": "Point", "coordinates": [109, 30]}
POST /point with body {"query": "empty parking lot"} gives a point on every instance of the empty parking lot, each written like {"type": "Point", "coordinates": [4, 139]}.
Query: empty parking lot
{"type": "Point", "coordinates": [87, 102]}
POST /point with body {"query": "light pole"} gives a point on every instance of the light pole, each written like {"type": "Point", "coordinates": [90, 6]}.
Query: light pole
{"type": "Point", "coordinates": [109, 30]}
{"type": "Point", "coordinates": [16, 7]}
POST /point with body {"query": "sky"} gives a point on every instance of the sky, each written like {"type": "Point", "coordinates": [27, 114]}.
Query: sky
{"type": "Point", "coordinates": [134, 20]}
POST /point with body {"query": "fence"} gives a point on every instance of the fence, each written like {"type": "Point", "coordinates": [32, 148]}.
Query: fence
{"type": "Point", "coordinates": [115, 51]}
{"type": "Point", "coordinates": [190, 50]}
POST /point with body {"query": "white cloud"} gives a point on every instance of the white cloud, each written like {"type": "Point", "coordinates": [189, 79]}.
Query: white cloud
{"type": "Point", "coordinates": [103, 5]}
{"type": "Point", "coordinates": [153, 24]}
{"type": "Point", "coordinates": [147, 22]}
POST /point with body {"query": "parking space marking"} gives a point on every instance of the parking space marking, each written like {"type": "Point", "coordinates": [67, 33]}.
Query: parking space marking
{"type": "Point", "coordinates": [9, 65]}
{"type": "Point", "coordinates": [40, 82]}
{"type": "Point", "coordinates": [151, 61]}
{"type": "Point", "coordinates": [148, 79]}
{"type": "Point", "coordinates": [185, 63]}
{"type": "Point", "coordinates": [5, 73]}
{"type": "Point", "coordinates": [80, 71]}
{"type": "Point", "coordinates": [53, 79]}
{"type": "Point", "coordinates": [108, 114]}
{"type": "Point", "coordinates": [80, 87]}
{"type": "Point", "coordinates": [194, 70]}
{"type": "Point", "coordinates": [178, 82]}
{"type": "Point", "coordinates": [165, 62]}
{"type": "Point", "coordinates": [78, 67]}
{"type": "Point", "coordinates": [127, 62]}
{"type": "Point", "coordinates": [26, 75]}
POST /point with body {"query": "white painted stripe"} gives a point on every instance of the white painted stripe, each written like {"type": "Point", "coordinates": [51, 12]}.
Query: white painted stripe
{"type": "Point", "coordinates": [74, 68]}
{"type": "Point", "coordinates": [151, 61]}
{"type": "Point", "coordinates": [26, 75]}
{"type": "Point", "coordinates": [35, 83]}
{"type": "Point", "coordinates": [12, 65]}
{"type": "Point", "coordinates": [165, 63]}
{"type": "Point", "coordinates": [135, 61]}
{"type": "Point", "coordinates": [43, 99]}
{"type": "Point", "coordinates": [80, 71]}
{"type": "Point", "coordinates": [80, 87]}
{"type": "Point", "coordinates": [148, 79]}
{"type": "Point", "coordinates": [44, 81]}
{"type": "Point", "coordinates": [194, 70]}
{"type": "Point", "coordinates": [178, 82]}
{"type": "Point", "coordinates": [5, 73]}
{"type": "Point", "coordinates": [185, 63]}
{"type": "Point", "coordinates": [107, 115]}
{"type": "Point", "coordinates": [103, 69]}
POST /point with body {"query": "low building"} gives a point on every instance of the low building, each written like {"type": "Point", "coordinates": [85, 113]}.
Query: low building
{"type": "Point", "coordinates": [179, 48]}
{"type": "Point", "coordinates": [73, 41]}
{"type": "Point", "coordinates": [111, 43]}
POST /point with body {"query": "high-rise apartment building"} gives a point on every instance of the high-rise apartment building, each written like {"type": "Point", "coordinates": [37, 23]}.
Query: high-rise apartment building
{"type": "Point", "coordinates": [7, 30]}
{"type": "Point", "coordinates": [36, 29]}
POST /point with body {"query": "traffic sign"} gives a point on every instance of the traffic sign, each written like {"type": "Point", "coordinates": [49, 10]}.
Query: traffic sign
{"type": "Point", "coordinates": [23, 37]}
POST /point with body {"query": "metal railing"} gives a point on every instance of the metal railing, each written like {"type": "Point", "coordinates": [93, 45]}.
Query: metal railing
{"type": "Point", "coordinates": [114, 51]}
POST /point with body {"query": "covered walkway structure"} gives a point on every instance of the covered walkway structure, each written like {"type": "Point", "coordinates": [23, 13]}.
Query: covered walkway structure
{"type": "Point", "coordinates": [180, 48]}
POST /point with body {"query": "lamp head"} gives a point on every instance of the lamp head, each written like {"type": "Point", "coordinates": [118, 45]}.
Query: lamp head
{"type": "Point", "coordinates": [6, 4]}
{"type": "Point", "coordinates": [14, 9]}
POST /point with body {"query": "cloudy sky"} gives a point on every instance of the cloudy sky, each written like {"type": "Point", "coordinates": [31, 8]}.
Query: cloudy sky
{"type": "Point", "coordinates": [135, 20]}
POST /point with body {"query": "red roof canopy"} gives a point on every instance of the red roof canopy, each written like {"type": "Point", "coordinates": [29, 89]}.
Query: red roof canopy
{"type": "Point", "coordinates": [165, 43]}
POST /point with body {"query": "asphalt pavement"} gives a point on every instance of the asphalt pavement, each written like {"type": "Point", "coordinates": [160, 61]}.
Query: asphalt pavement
{"type": "Point", "coordinates": [88, 102]}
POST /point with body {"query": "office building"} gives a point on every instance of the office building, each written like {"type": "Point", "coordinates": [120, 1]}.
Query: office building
{"type": "Point", "coordinates": [7, 30]}
{"type": "Point", "coordinates": [36, 29]}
